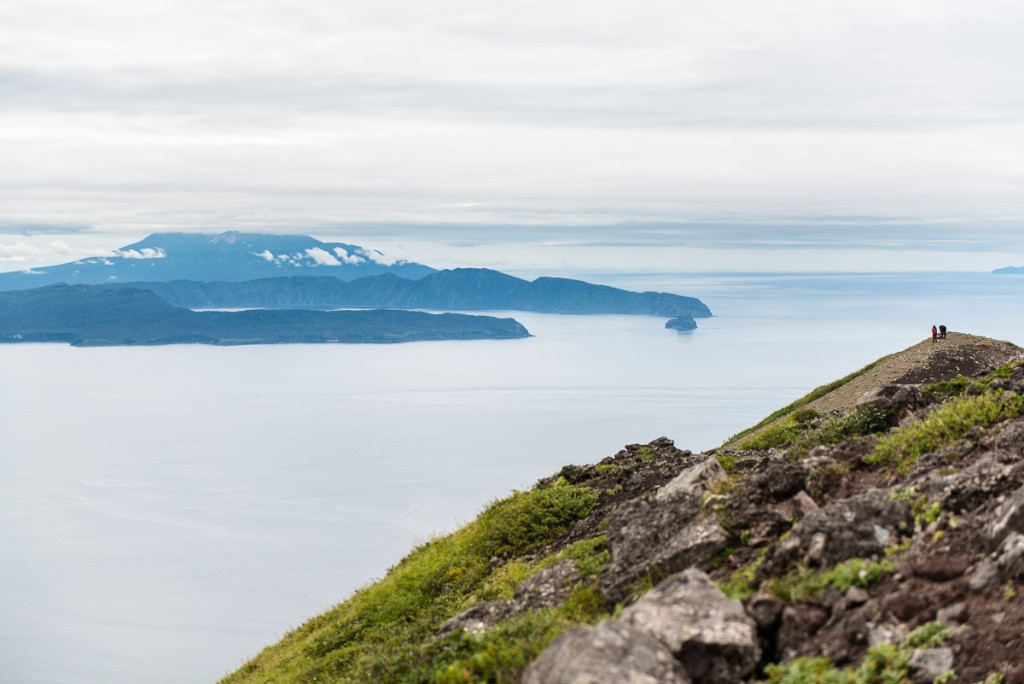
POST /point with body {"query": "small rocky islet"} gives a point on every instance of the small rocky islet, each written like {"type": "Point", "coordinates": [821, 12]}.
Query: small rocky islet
{"type": "Point", "coordinates": [872, 531]}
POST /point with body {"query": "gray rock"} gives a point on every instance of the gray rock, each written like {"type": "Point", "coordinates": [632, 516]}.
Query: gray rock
{"type": "Point", "coordinates": [1006, 563]}
{"type": "Point", "coordinates": [1012, 438]}
{"type": "Point", "coordinates": [480, 617]}
{"type": "Point", "coordinates": [1009, 517]}
{"type": "Point", "coordinates": [544, 589]}
{"type": "Point", "coordinates": [894, 399]}
{"type": "Point", "coordinates": [697, 478]}
{"type": "Point", "coordinates": [985, 576]}
{"type": "Point", "coordinates": [710, 634]}
{"type": "Point", "coordinates": [548, 587]}
{"type": "Point", "coordinates": [765, 608]}
{"type": "Point", "coordinates": [860, 526]}
{"type": "Point", "coordinates": [886, 634]}
{"type": "Point", "coordinates": [608, 652]}
{"type": "Point", "coordinates": [651, 537]}
{"type": "Point", "coordinates": [855, 596]}
{"type": "Point", "coordinates": [953, 615]}
{"type": "Point", "coordinates": [803, 503]}
{"type": "Point", "coordinates": [977, 484]}
{"type": "Point", "coordinates": [928, 663]}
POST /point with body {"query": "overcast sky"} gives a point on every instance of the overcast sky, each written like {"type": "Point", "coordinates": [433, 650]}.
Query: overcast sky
{"type": "Point", "coordinates": [856, 134]}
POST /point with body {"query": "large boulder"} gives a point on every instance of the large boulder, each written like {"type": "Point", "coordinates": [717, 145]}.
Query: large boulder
{"type": "Point", "coordinates": [611, 651]}
{"type": "Point", "coordinates": [709, 633]}
{"type": "Point", "coordinates": [696, 478]}
{"type": "Point", "coordinates": [648, 537]}
{"type": "Point", "coordinates": [860, 526]}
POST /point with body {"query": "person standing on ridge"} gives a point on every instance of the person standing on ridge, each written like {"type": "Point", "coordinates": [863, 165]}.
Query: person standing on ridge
{"type": "Point", "coordinates": [942, 332]}
{"type": "Point", "coordinates": [935, 333]}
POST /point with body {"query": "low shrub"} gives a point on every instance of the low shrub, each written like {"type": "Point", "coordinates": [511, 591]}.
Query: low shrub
{"type": "Point", "coordinates": [945, 426]}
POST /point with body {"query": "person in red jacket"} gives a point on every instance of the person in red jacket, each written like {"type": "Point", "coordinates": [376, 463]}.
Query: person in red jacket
{"type": "Point", "coordinates": [935, 333]}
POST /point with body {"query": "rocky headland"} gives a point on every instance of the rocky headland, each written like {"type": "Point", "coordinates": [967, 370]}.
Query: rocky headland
{"type": "Point", "coordinates": [872, 531]}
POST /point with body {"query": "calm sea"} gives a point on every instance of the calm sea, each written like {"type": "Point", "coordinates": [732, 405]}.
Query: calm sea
{"type": "Point", "coordinates": [166, 512]}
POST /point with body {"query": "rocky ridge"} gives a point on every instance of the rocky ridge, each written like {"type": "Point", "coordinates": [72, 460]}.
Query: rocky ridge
{"type": "Point", "coordinates": [873, 533]}
{"type": "Point", "coordinates": [785, 563]}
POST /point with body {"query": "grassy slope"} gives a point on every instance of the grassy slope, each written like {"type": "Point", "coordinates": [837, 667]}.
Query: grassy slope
{"type": "Point", "coordinates": [382, 633]}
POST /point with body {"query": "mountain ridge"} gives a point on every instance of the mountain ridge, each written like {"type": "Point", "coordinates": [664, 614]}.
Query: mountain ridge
{"type": "Point", "coordinates": [882, 540]}
{"type": "Point", "coordinates": [463, 289]}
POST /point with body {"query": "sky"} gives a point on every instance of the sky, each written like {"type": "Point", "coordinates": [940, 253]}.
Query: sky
{"type": "Point", "coordinates": [710, 134]}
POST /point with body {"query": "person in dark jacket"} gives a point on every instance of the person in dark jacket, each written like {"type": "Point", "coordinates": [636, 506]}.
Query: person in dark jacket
{"type": "Point", "coordinates": [942, 332]}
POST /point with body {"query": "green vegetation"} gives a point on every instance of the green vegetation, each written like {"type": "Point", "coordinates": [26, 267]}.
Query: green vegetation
{"type": "Point", "coordinates": [814, 394]}
{"type": "Point", "coordinates": [943, 427]}
{"type": "Point", "coordinates": [741, 584]}
{"type": "Point", "coordinates": [885, 663]}
{"type": "Point", "coordinates": [940, 391]}
{"type": "Point", "coordinates": [925, 511]}
{"type": "Point", "coordinates": [803, 582]}
{"type": "Point", "coordinates": [801, 440]}
{"type": "Point", "coordinates": [384, 631]}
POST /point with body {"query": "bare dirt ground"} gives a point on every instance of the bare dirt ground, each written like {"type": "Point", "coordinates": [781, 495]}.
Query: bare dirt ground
{"type": "Point", "coordinates": [945, 359]}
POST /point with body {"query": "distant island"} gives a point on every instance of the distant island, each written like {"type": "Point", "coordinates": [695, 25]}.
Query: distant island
{"type": "Point", "coordinates": [462, 289]}
{"type": "Point", "coordinates": [84, 315]}
{"type": "Point", "coordinates": [1010, 270]}
{"type": "Point", "coordinates": [235, 270]}
{"type": "Point", "coordinates": [682, 323]}
{"type": "Point", "coordinates": [230, 256]}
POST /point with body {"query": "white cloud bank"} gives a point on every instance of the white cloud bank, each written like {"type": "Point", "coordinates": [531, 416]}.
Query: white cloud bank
{"type": "Point", "coordinates": [141, 117]}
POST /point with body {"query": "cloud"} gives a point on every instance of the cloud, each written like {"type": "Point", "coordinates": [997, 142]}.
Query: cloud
{"type": "Point", "coordinates": [604, 112]}
{"type": "Point", "coordinates": [19, 252]}
{"type": "Point", "coordinates": [265, 254]}
{"type": "Point", "coordinates": [322, 257]}
{"type": "Point", "coordinates": [61, 247]}
{"type": "Point", "coordinates": [144, 253]}
{"type": "Point", "coordinates": [346, 257]}
{"type": "Point", "coordinates": [376, 257]}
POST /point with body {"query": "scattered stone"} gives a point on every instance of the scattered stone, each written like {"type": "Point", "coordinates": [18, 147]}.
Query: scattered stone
{"type": "Point", "coordinates": [611, 651]}
{"type": "Point", "coordinates": [710, 634]}
{"type": "Point", "coordinates": [859, 526]}
{"type": "Point", "coordinates": [953, 615]}
{"type": "Point", "coordinates": [973, 486]}
{"type": "Point", "coordinates": [480, 617]}
{"type": "Point", "coordinates": [940, 568]}
{"type": "Point", "coordinates": [548, 587]}
{"type": "Point", "coordinates": [886, 634]}
{"type": "Point", "coordinates": [855, 596]}
{"type": "Point", "coordinates": [926, 664]}
{"type": "Point", "coordinates": [765, 608]}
